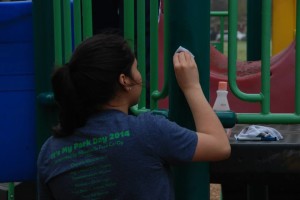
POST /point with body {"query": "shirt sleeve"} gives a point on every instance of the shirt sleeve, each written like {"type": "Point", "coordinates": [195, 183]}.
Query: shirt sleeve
{"type": "Point", "coordinates": [168, 140]}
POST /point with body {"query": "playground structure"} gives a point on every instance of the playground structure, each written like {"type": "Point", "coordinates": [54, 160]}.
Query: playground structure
{"type": "Point", "coordinates": [282, 68]}
{"type": "Point", "coordinates": [179, 30]}
{"type": "Point", "coordinates": [282, 64]}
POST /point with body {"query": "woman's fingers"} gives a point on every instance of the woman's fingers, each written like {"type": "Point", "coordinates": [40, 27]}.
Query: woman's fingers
{"type": "Point", "coordinates": [183, 58]}
{"type": "Point", "coordinates": [176, 62]}
{"type": "Point", "coordinates": [186, 71]}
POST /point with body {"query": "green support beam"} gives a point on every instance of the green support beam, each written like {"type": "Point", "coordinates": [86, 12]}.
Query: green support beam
{"type": "Point", "coordinates": [44, 63]}
{"type": "Point", "coordinates": [188, 25]}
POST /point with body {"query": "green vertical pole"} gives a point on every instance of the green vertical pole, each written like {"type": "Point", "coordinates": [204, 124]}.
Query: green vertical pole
{"type": "Point", "coordinates": [141, 47]}
{"type": "Point", "coordinates": [58, 29]}
{"type": "Point", "coordinates": [266, 52]}
{"type": "Point", "coordinates": [87, 18]}
{"type": "Point", "coordinates": [77, 22]}
{"type": "Point", "coordinates": [153, 49]}
{"type": "Point", "coordinates": [188, 24]}
{"type": "Point", "coordinates": [129, 22]}
{"type": "Point", "coordinates": [11, 191]}
{"type": "Point", "coordinates": [44, 63]}
{"type": "Point", "coordinates": [67, 32]}
{"type": "Point", "coordinates": [254, 29]}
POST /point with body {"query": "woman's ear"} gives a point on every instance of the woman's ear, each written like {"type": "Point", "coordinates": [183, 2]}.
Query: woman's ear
{"type": "Point", "coordinates": [125, 82]}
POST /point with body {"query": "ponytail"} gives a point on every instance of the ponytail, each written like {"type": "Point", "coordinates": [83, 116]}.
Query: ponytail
{"type": "Point", "coordinates": [72, 111]}
{"type": "Point", "coordinates": [90, 80]}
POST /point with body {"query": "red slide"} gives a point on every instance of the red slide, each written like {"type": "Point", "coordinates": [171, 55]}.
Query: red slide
{"type": "Point", "coordinates": [249, 81]}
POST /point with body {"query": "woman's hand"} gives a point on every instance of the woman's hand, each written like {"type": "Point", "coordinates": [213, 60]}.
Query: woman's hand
{"type": "Point", "coordinates": [213, 143]}
{"type": "Point", "coordinates": [186, 71]}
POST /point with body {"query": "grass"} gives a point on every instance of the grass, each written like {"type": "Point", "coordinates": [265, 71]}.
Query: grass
{"type": "Point", "coordinates": [241, 50]}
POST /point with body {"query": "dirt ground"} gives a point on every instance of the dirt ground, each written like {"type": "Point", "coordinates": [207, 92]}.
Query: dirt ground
{"type": "Point", "coordinates": [215, 191]}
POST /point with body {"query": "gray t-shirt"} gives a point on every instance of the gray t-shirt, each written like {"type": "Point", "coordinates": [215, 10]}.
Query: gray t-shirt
{"type": "Point", "coordinates": [115, 156]}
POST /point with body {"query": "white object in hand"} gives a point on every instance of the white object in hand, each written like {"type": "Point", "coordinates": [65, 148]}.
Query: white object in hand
{"type": "Point", "coordinates": [181, 49]}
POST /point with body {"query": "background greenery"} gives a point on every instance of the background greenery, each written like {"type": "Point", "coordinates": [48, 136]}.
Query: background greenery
{"type": "Point", "coordinates": [241, 50]}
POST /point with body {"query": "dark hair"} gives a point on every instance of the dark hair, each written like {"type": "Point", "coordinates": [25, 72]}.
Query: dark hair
{"type": "Point", "coordinates": [90, 79]}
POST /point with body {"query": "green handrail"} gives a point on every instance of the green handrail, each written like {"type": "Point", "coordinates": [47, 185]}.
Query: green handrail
{"type": "Point", "coordinates": [264, 96]}
{"type": "Point", "coordinates": [232, 55]}
{"type": "Point", "coordinates": [219, 13]}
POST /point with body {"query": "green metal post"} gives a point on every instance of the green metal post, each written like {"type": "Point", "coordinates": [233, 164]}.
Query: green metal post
{"type": "Point", "coordinates": [129, 21]}
{"type": "Point", "coordinates": [44, 64]}
{"type": "Point", "coordinates": [153, 49]}
{"type": "Point", "coordinates": [183, 19]}
{"type": "Point", "coordinates": [77, 22]}
{"type": "Point", "coordinates": [11, 191]}
{"type": "Point", "coordinates": [67, 30]}
{"type": "Point", "coordinates": [265, 67]}
{"type": "Point", "coordinates": [87, 19]}
{"type": "Point", "coordinates": [58, 28]}
{"type": "Point", "coordinates": [141, 47]}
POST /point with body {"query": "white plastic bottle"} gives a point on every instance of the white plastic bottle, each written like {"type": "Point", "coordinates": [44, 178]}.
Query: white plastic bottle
{"type": "Point", "coordinates": [221, 102]}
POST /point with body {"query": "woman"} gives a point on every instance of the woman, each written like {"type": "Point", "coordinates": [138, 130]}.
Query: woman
{"type": "Point", "coordinates": [98, 151]}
